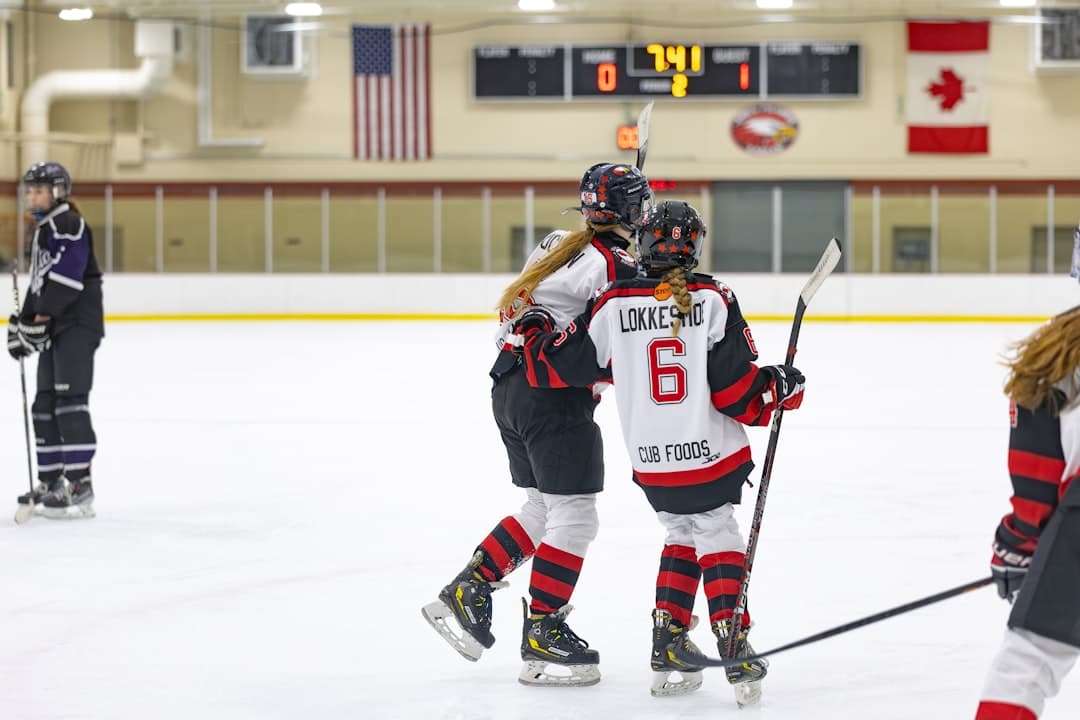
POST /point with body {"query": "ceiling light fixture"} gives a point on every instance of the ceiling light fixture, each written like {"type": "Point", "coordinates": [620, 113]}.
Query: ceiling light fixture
{"type": "Point", "coordinates": [536, 5]}
{"type": "Point", "coordinates": [304, 9]}
{"type": "Point", "coordinates": [73, 14]}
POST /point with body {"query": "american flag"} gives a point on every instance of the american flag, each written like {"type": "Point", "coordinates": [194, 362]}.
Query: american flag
{"type": "Point", "coordinates": [392, 92]}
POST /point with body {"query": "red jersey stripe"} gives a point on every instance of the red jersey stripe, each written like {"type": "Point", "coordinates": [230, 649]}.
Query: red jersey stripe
{"type": "Point", "coordinates": [697, 476]}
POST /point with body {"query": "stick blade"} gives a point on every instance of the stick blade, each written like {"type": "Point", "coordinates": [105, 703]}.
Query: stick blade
{"type": "Point", "coordinates": [643, 135]}
{"type": "Point", "coordinates": [829, 259]}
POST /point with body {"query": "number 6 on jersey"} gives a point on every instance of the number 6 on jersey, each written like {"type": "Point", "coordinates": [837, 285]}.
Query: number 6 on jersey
{"type": "Point", "coordinates": [667, 380]}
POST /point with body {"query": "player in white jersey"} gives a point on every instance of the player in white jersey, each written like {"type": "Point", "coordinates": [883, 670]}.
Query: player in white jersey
{"type": "Point", "coordinates": [682, 360]}
{"type": "Point", "coordinates": [553, 445]}
{"type": "Point", "coordinates": [1038, 543]}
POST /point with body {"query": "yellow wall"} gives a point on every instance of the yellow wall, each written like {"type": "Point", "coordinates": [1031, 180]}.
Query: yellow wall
{"type": "Point", "coordinates": [306, 123]}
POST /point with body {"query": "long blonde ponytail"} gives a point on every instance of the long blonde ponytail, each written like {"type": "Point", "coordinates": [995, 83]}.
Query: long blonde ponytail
{"type": "Point", "coordinates": [569, 245]}
{"type": "Point", "coordinates": [676, 278]}
{"type": "Point", "coordinates": [1047, 356]}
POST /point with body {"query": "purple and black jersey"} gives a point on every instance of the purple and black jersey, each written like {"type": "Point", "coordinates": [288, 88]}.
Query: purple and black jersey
{"type": "Point", "coordinates": [65, 280]}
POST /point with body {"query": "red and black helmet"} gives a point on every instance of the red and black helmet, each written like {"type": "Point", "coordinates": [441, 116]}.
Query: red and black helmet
{"type": "Point", "coordinates": [615, 194]}
{"type": "Point", "coordinates": [672, 235]}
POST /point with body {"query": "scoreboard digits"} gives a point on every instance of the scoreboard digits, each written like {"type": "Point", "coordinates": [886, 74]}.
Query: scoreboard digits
{"type": "Point", "coordinates": [659, 70]}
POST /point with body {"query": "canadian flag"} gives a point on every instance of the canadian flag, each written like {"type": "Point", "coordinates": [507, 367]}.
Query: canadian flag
{"type": "Point", "coordinates": [947, 71]}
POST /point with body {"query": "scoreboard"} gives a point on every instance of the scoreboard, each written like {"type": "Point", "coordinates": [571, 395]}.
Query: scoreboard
{"type": "Point", "coordinates": [659, 71]}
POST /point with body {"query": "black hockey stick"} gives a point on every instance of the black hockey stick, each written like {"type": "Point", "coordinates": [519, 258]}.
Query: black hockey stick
{"type": "Point", "coordinates": [839, 629]}
{"type": "Point", "coordinates": [824, 268]}
{"type": "Point", "coordinates": [643, 136]}
{"type": "Point", "coordinates": [25, 511]}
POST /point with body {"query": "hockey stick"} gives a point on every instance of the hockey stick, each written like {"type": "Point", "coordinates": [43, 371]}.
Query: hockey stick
{"type": "Point", "coordinates": [25, 511]}
{"type": "Point", "coordinates": [825, 266]}
{"type": "Point", "coordinates": [839, 629]}
{"type": "Point", "coordinates": [643, 136]}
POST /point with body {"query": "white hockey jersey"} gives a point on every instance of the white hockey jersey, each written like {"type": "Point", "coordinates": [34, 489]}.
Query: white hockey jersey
{"type": "Point", "coordinates": [565, 293]}
{"type": "Point", "coordinates": [682, 399]}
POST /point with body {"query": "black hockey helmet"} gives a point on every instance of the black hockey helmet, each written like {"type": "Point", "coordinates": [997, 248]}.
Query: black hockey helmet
{"type": "Point", "coordinates": [615, 194]}
{"type": "Point", "coordinates": [672, 235]}
{"type": "Point", "coordinates": [52, 174]}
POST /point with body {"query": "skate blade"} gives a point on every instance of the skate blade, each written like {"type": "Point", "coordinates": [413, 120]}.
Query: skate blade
{"type": "Point", "coordinates": [24, 512]}
{"type": "Point", "coordinates": [663, 684]}
{"type": "Point", "coordinates": [71, 512]}
{"type": "Point", "coordinates": [748, 693]}
{"type": "Point", "coordinates": [536, 674]}
{"type": "Point", "coordinates": [440, 617]}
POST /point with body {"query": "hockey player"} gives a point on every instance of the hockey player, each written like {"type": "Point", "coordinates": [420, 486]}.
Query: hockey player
{"type": "Point", "coordinates": [1036, 548]}
{"type": "Point", "coordinates": [682, 360]}
{"type": "Point", "coordinates": [62, 319]}
{"type": "Point", "coordinates": [554, 447]}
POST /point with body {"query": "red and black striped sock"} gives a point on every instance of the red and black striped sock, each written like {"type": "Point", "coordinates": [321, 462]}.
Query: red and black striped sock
{"type": "Point", "coordinates": [677, 582]}
{"type": "Point", "coordinates": [505, 547]}
{"type": "Point", "coordinates": [723, 573]}
{"type": "Point", "coordinates": [554, 575]}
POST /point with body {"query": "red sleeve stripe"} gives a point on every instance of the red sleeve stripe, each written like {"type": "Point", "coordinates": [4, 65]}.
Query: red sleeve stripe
{"type": "Point", "coordinates": [1036, 467]}
{"type": "Point", "coordinates": [697, 476]}
{"type": "Point", "coordinates": [992, 710]}
{"type": "Point", "coordinates": [1031, 512]}
{"type": "Point", "coordinates": [606, 253]}
{"type": "Point", "coordinates": [734, 392]}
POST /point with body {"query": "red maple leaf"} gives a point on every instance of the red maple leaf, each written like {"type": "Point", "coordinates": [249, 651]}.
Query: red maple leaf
{"type": "Point", "coordinates": [950, 88]}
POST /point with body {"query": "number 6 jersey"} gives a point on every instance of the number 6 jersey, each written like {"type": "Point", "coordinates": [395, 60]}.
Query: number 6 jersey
{"type": "Point", "coordinates": [682, 398]}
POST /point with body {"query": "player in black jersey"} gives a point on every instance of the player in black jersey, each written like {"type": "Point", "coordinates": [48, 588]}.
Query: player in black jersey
{"type": "Point", "coordinates": [1036, 550]}
{"type": "Point", "coordinates": [62, 319]}
{"type": "Point", "coordinates": [686, 384]}
{"type": "Point", "coordinates": [553, 445]}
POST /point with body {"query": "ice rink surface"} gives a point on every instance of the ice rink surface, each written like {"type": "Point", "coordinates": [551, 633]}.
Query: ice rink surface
{"type": "Point", "coordinates": [277, 501]}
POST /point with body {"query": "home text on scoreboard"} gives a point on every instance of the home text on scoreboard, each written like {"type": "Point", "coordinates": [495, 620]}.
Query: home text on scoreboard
{"type": "Point", "coordinates": [666, 71]}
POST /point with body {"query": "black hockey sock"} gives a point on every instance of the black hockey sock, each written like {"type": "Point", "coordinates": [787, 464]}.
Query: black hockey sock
{"type": "Point", "coordinates": [677, 582]}
{"type": "Point", "coordinates": [505, 547]}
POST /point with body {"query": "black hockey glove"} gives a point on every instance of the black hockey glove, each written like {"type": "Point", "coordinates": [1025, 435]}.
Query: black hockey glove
{"type": "Point", "coordinates": [1009, 568]}
{"type": "Point", "coordinates": [531, 325]}
{"type": "Point", "coordinates": [786, 386]}
{"type": "Point", "coordinates": [15, 346]}
{"type": "Point", "coordinates": [35, 334]}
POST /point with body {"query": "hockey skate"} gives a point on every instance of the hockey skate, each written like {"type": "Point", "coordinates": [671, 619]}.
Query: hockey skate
{"type": "Point", "coordinates": [28, 502]}
{"type": "Point", "coordinates": [462, 614]}
{"type": "Point", "coordinates": [548, 643]}
{"type": "Point", "coordinates": [69, 503]}
{"type": "Point", "coordinates": [746, 678]}
{"type": "Point", "coordinates": [668, 635]}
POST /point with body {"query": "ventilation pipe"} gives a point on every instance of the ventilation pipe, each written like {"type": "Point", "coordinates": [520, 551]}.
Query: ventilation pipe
{"type": "Point", "coordinates": [153, 43]}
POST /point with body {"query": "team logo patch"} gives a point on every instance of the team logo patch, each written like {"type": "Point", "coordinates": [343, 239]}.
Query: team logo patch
{"type": "Point", "coordinates": [620, 170]}
{"type": "Point", "coordinates": [662, 291]}
{"type": "Point", "coordinates": [725, 291]}
{"type": "Point", "coordinates": [624, 256]}
{"type": "Point", "coordinates": [588, 198]}
{"type": "Point", "coordinates": [764, 129]}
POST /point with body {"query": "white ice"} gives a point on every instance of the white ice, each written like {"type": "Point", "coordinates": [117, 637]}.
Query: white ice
{"type": "Point", "coordinates": [277, 501]}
